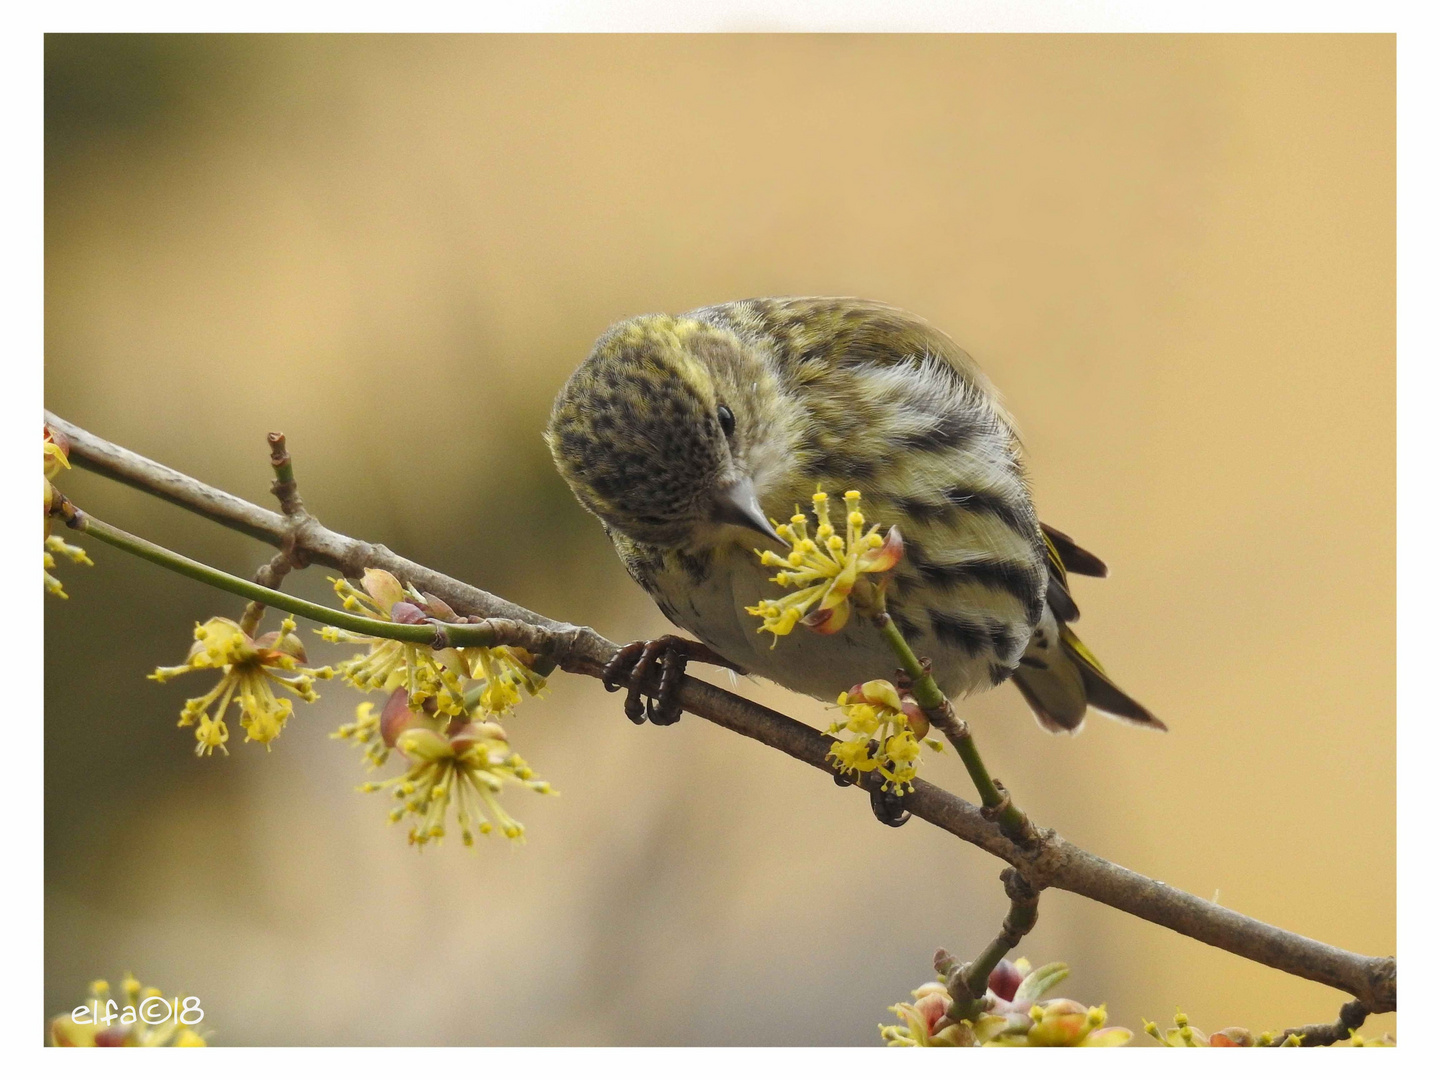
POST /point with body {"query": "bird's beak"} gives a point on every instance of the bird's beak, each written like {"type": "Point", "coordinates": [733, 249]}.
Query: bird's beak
{"type": "Point", "coordinates": [737, 505]}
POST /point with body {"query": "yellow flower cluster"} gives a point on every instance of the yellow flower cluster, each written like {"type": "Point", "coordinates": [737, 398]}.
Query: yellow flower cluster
{"type": "Point", "coordinates": [438, 677]}
{"type": "Point", "coordinates": [504, 672]}
{"type": "Point", "coordinates": [886, 734]}
{"type": "Point", "coordinates": [452, 762]}
{"type": "Point", "coordinates": [251, 669]}
{"type": "Point", "coordinates": [1017, 1020]}
{"type": "Point", "coordinates": [824, 570]}
{"type": "Point", "coordinates": [146, 1018]}
{"type": "Point", "coordinates": [426, 674]}
{"type": "Point", "coordinates": [439, 715]}
{"type": "Point", "coordinates": [1182, 1034]}
{"type": "Point", "coordinates": [366, 732]}
{"type": "Point", "coordinates": [57, 457]}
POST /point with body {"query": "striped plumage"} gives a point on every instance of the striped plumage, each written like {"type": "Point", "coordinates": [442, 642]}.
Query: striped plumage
{"type": "Point", "coordinates": [791, 394]}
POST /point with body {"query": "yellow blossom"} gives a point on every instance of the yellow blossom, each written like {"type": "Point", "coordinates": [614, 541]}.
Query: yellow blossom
{"type": "Point", "coordinates": [365, 731]}
{"type": "Point", "coordinates": [1017, 1020]}
{"type": "Point", "coordinates": [57, 458]}
{"type": "Point", "coordinates": [426, 674]}
{"type": "Point", "coordinates": [465, 765]}
{"type": "Point", "coordinates": [250, 672]}
{"type": "Point", "coordinates": [57, 453]}
{"type": "Point", "coordinates": [53, 544]}
{"type": "Point", "coordinates": [1062, 1022]}
{"type": "Point", "coordinates": [505, 672]}
{"type": "Point", "coordinates": [925, 1022]}
{"type": "Point", "coordinates": [142, 1017]}
{"type": "Point", "coordinates": [887, 732]}
{"type": "Point", "coordinates": [1356, 1039]}
{"type": "Point", "coordinates": [823, 571]}
{"type": "Point", "coordinates": [1183, 1034]}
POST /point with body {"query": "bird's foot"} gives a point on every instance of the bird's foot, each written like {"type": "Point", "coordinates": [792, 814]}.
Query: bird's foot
{"type": "Point", "coordinates": [887, 806]}
{"type": "Point", "coordinates": [633, 664]}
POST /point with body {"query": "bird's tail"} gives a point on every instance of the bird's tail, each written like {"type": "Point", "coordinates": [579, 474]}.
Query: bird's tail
{"type": "Point", "coordinates": [1059, 677]}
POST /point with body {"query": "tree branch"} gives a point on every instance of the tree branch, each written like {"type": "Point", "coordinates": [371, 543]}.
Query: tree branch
{"type": "Point", "coordinates": [1352, 1015]}
{"type": "Point", "coordinates": [1052, 862]}
{"type": "Point", "coordinates": [1019, 921]}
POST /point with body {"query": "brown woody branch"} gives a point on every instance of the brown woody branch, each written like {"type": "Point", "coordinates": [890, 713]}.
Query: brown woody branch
{"type": "Point", "coordinates": [288, 558]}
{"type": "Point", "coordinates": [1052, 862]}
{"type": "Point", "coordinates": [1352, 1015]}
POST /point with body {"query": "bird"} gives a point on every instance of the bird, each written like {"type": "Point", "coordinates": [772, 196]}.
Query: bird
{"type": "Point", "coordinates": [692, 436]}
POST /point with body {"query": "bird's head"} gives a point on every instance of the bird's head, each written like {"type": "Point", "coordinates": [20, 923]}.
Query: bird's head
{"type": "Point", "coordinates": [661, 430]}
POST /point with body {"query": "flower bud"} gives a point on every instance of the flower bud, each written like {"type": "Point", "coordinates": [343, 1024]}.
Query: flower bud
{"type": "Point", "coordinates": [396, 717]}
{"type": "Point", "coordinates": [1005, 980]}
{"type": "Point", "coordinates": [383, 588]}
{"type": "Point", "coordinates": [113, 1035]}
{"type": "Point", "coordinates": [1060, 1022]}
{"type": "Point", "coordinates": [406, 613]}
{"type": "Point", "coordinates": [1232, 1036]}
{"type": "Point", "coordinates": [422, 744]}
{"type": "Point", "coordinates": [931, 1008]}
{"type": "Point", "coordinates": [945, 963]}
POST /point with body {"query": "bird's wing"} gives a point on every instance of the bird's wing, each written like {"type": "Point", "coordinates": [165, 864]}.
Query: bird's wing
{"type": "Point", "coordinates": [822, 332]}
{"type": "Point", "coordinates": [1071, 556]}
{"type": "Point", "coordinates": [1062, 554]}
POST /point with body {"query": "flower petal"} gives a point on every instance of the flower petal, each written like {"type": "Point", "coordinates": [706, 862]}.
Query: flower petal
{"type": "Point", "coordinates": [1039, 981]}
{"type": "Point", "coordinates": [881, 692]}
{"type": "Point", "coordinates": [829, 620]}
{"type": "Point", "coordinates": [884, 557]}
{"type": "Point", "coordinates": [382, 587]}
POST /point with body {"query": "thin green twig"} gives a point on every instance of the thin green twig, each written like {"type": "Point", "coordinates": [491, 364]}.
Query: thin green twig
{"type": "Point", "coordinates": [1011, 819]}
{"type": "Point", "coordinates": [458, 635]}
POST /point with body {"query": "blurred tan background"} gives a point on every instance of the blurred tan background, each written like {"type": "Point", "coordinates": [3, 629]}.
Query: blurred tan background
{"type": "Point", "coordinates": [1174, 255]}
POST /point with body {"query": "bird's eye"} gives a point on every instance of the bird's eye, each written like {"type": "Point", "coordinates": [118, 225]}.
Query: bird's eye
{"type": "Point", "coordinates": [727, 420]}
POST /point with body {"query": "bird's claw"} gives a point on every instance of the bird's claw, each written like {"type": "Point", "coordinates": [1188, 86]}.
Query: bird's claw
{"type": "Point", "coordinates": [888, 808]}
{"type": "Point", "coordinates": [632, 665]}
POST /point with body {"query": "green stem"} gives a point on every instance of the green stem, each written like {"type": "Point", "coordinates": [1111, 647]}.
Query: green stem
{"type": "Point", "coordinates": [460, 635]}
{"type": "Point", "coordinates": [1020, 920]}
{"type": "Point", "coordinates": [928, 696]}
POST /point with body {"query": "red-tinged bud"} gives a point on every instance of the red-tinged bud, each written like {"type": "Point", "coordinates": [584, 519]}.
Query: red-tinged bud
{"type": "Point", "coordinates": [885, 556]}
{"type": "Point", "coordinates": [59, 438]}
{"type": "Point", "coordinates": [881, 692]}
{"type": "Point", "coordinates": [396, 716]}
{"type": "Point", "coordinates": [113, 1035]}
{"type": "Point", "coordinates": [439, 609]}
{"type": "Point", "coordinates": [945, 963]}
{"type": "Point", "coordinates": [382, 587]}
{"type": "Point", "coordinates": [287, 643]}
{"type": "Point", "coordinates": [932, 1008]}
{"type": "Point", "coordinates": [406, 613]}
{"type": "Point", "coordinates": [916, 718]}
{"type": "Point", "coordinates": [1060, 1022]}
{"type": "Point", "coordinates": [1232, 1036]}
{"type": "Point", "coordinates": [1005, 980]}
{"type": "Point", "coordinates": [828, 620]}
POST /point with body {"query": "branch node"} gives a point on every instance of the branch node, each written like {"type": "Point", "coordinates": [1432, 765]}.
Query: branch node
{"type": "Point", "coordinates": [993, 813]}
{"type": "Point", "coordinates": [442, 635]}
{"type": "Point", "coordinates": [1353, 1015]}
{"type": "Point", "coordinates": [284, 487]}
